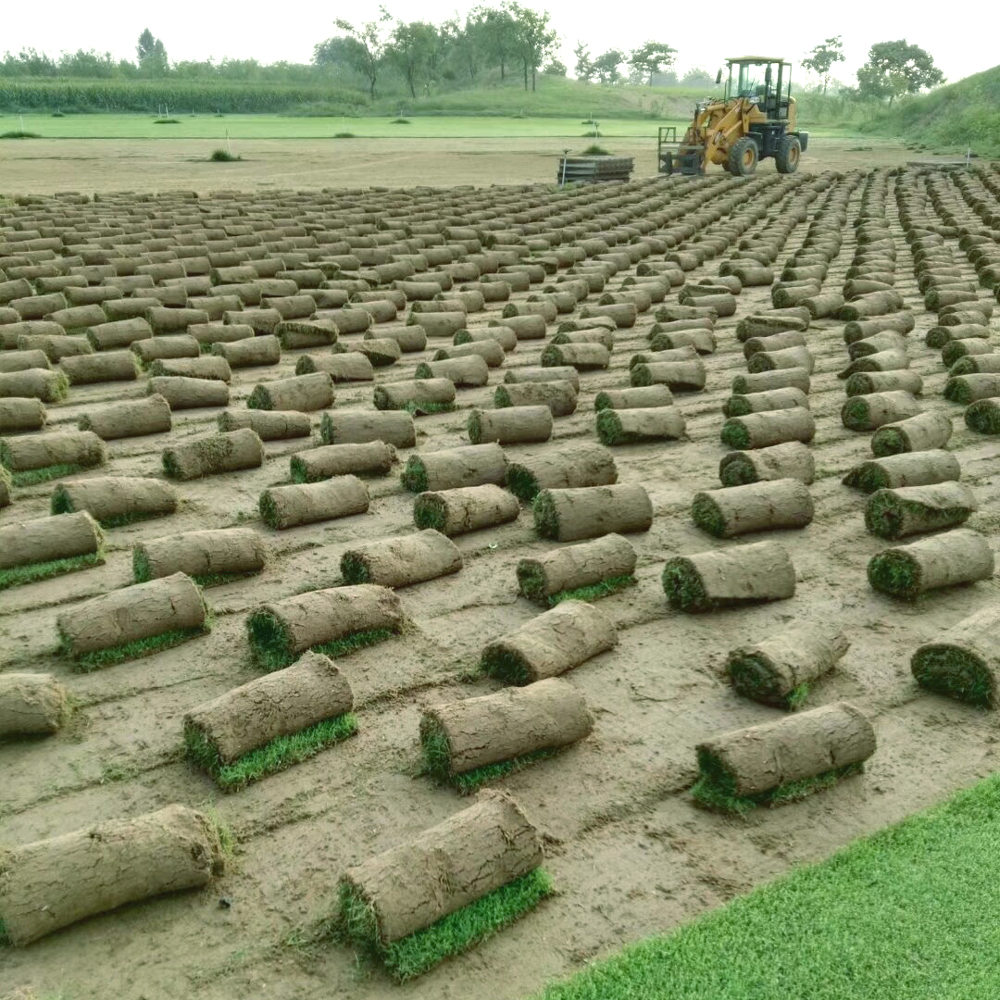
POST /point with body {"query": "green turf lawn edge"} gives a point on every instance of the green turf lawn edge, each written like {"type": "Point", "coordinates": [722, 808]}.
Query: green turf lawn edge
{"type": "Point", "coordinates": [983, 416]}
{"type": "Point", "coordinates": [683, 586]}
{"type": "Point", "coordinates": [84, 663]}
{"type": "Point", "coordinates": [894, 572]}
{"type": "Point", "coordinates": [954, 673]}
{"type": "Point", "coordinates": [15, 576]}
{"type": "Point", "coordinates": [32, 477]}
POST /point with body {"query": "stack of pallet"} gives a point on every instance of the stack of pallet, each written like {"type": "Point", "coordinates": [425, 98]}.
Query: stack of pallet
{"type": "Point", "coordinates": [591, 169]}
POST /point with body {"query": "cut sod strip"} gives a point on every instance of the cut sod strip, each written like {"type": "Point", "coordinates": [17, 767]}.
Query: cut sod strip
{"type": "Point", "coordinates": [402, 561]}
{"type": "Point", "coordinates": [511, 425]}
{"type": "Point", "coordinates": [364, 426]}
{"type": "Point", "coordinates": [489, 350]}
{"type": "Point", "coordinates": [736, 510]}
{"type": "Point", "coordinates": [780, 378]}
{"type": "Point", "coordinates": [964, 662]}
{"type": "Point", "coordinates": [573, 466]}
{"type": "Point", "coordinates": [583, 357]}
{"type": "Point", "coordinates": [720, 578]}
{"type": "Point", "coordinates": [759, 402]}
{"type": "Point", "coordinates": [108, 366]}
{"type": "Point", "coordinates": [31, 705]}
{"type": "Point", "coordinates": [762, 430]}
{"type": "Point", "coordinates": [301, 392]}
{"type": "Point", "coordinates": [559, 396]}
{"type": "Point", "coordinates": [924, 432]}
{"type": "Point", "coordinates": [38, 458]}
{"type": "Point", "coordinates": [913, 510]}
{"type": "Point", "coordinates": [132, 418]}
{"type": "Point", "coordinates": [868, 413]}
{"type": "Point", "coordinates": [921, 468]}
{"type": "Point", "coordinates": [22, 414]}
{"type": "Point", "coordinates": [247, 353]}
{"type": "Point", "coordinates": [268, 425]}
{"type": "Point", "coordinates": [678, 376]}
{"type": "Point", "coordinates": [372, 459]}
{"type": "Point", "coordinates": [791, 460]}
{"type": "Point", "coordinates": [983, 416]}
{"type": "Point", "coordinates": [284, 507]}
{"type": "Point", "coordinates": [550, 644]}
{"type": "Point", "coordinates": [35, 383]}
{"type": "Point", "coordinates": [584, 572]}
{"type": "Point", "coordinates": [969, 388]}
{"type": "Point", "coordinates": [334, 622]}
{"type": "Point", "coordinates": [865, 383]}
{"type": "Point", "coordinates": [132, 622]}
{"type": "Point", "coordinates": [639, 426]}
{"type": "Point", "coordinates": [351, 366]}
{"type": "Point", "coordinates": [116, 501]}
{"type": "Point", "coordinates": [638, 397]}
{"type": "Point", "coordinates": [214, 454]}
{"type": "Point", "coordinates": [466, 508]}
{"type": "Point", "coordinates": [184, 393]}
{"type": "Point", "coordinates": [445, 891]}
{"type": "Point", "coordinates": [946, 560]}
{"type": "Point", "coordinates": [271, 723]}
{"type": "Point", "coordinates": [157, 348]}
{"type": "Point", "coordinates": [782, 761]}
{"type": "Point", "coordinates": [772, 321]}
{"type": "Point", "coordinates": [49, 546]}
{"type": "Point", "coordinates": [295, 334]}
{"type": "Point", "coordinates": [416, 396]}
{"type": "Point", "coordinates": [210, 557]}
{"type": "Point", "coordinates": [472, 465]}
{"type": "Point", "coordinates": [471, 742]}
{"type": "Point", "coordinates": [568, 515]}
{"type": "Point", "coordinates": [779, 670]}
{"type": "Point", "coordinates": [51, 884]}
{"type": "Point", "coordinates": [469, 372]}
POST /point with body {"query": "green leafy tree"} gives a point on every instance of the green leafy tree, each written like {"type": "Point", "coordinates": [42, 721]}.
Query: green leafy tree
{"type": "Point", "coordinates": [651, 58]}
{"type": "Point", "coordinates": [822, 58]}
{"type": "Point", "coordinates": [534, 38]}
{"type": "Point", "coordinates": [608, 66]}
{"type": "Point", "coordinates": [152, 54]}
{"type": "Point", "coordinates": [584, 68]}
{"type": "Point", "coordinates": [413, 50]}
{"type": "Point", "coordinates": [500, 35]}
{"type": "Point", "coordinates": [555, 67]}
{"type": "Point", "coordinates": [363, 47]}
{"type": "Point", "coordinates": [897, 68]}
{"type": "Point", "coordinates": [697, 77]}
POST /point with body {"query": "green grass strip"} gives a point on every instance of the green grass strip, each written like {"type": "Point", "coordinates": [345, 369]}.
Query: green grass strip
{"type": "Point", "coordinates": [521, 482]}
{"type": "Point", "coordinates": [683, 586]}
{"type": "Point", "coordinates": [921, 880]}
{"type": "Point", "coordinates": [32, 477]}
{"type": "Point", "coordinates": [544, 511]}
{"type": "Point", "coordinates": [84, 663]}
{"type": "Point", "coordinates": [735, 435]}
{"type": "Point", "coordinates": [424, 409]}
{"type": "Point", "coordinates": [280, 753]}
{"type": "Point", "coordinates": [896, 573]}
{"type": "Point", "coordinates": [531, 583]}
{"type": "Point", "coordinates": [753, 678]}
{"type": "Point", "coordinates": [354, 569]}
{"type": "Point", "coordinates": [738, 471]}
{"type": "Point", "coordinates": [885, 513]}
{"type": "Point", "coordinates": [706, 515]}
{"type": "Point", "coordinates": [957, 391]}
{"type": "Point", "coordinates": [15, 576]}
{"type": "Point", "coordinates": [504, 665]}
{"type": "Point", "coordinates": [414, 475]}
{"type": "Point", "coordinates": [889, 441]}
{"type": "Point", "coordinates": [451, 935]}
{"type": "Point", "coordinates": [955, 673]}
{"type": "Point", "coordinates": [983, 416]}
{"type": "Point", "coordinates": [429, 512]}
{"type": "Point", "coordinates": [867, 477]}
{"type": "Point", "coordinates": [855, 414]}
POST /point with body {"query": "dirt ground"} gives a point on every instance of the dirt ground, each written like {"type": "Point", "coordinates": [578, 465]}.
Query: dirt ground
{"type": "Point", "coordinates": [629, 853]}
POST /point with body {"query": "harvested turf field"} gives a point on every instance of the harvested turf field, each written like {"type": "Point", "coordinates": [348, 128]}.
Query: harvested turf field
{"type": "Point", "coordinates": [627, 850]}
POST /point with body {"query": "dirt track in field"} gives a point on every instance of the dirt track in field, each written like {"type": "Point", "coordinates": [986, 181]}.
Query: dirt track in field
{"type": "Point", "coordinates": [629, 853]}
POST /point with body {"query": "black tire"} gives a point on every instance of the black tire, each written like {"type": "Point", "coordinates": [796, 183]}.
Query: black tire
{"type": "Point", "coordinates": [787, 155]}
{"type": "Point", "coordinates": [743, 156]}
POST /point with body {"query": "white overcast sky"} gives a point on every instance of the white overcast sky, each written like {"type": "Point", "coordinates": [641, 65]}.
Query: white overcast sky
{"type": "Point", "coordinates": [199, 30]}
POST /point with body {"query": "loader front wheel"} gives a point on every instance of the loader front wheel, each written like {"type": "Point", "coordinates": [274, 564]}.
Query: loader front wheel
{"type": "Point", "coordinates": [743, 157]}
{"type": "Point", "coordinates": [787, 155]}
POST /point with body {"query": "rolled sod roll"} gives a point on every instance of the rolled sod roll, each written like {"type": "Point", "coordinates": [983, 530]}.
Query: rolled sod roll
{"type": "Point", "coordinates": [209, 556]}
{"type": "Point", "coordinates": [913, 510]}
{"type": "Point", "coordinates": [316, 464]}
{"type": "Point", "coordinates": [939, 336]}
{"type": "Point", "coordinates": [705, 581]}
{"type": "Point", "coordinates": [408, 338]}
{"type": "Point", "coordinates": [132, 418]}
{"type": "Point", "coordinates": [774, 342]}
{"type": "Point", "coordinates": [923, 432]}
{"type": "Point", "coordinates": [55, 348]}
{"type": "Point", "coordinates": [470, 465]}
{"type": "Point", "coordinates": [502, 335]}
{"type": "Point", "coordinates": [110, 366]}
{"type": "Point", "coordinates": [964, 661]}
{"type": "Point", "coordinates": [884, 341]}
{"type": "Point", "coordinates": [559, 396]}
{"type": "Point", "coordinates": [361, 426]}
{"type": "Point", "coordinates": [524, 327]}
{"type": "Point", "coordinates": [902, 322]}
{"type": "Point", "coordinates": [582, 357]}
{"type": "Point", "coordinates": [351, 366]}
{"type": "Point", "coordinates": [62, 451]}
{"type": "Point", "coordinates": [47, 546]}
{"type": "Point", "coordinates": [116, 500]}
{"type": "Point", "coordinates": [679, 376]}
{"type": "Point", "coordinates": [463, 509]}
{"type": "Point", "coordinates": [157, 348]}
{"type": "Point", "coordinates": [468, 371]}
{"type": "Point", "coordinates": [591, 511]}
{"type": "Point", "coordinates": [31, 704]}
{"type": "Point", "coordinates": [263, 350]}
{"type": "Point", "coordinates": [637, 397]}
{"type": "Point", "coordinates": [489, 350]}
{"type": "Point", "coordinates": [864, 383]}
{"type": "Point", "coordinates": [758, 402]}
{"type": "Point", "coordinates": [789, 357]}
{"type": "Point", "coordinates": [284, 507]}
{"type": "Point", "coordinates": [779, 670]}
{"type": "Point", "coordinates": [591, 335]}
{"type": "Point", "coordinates": [573, 466]}
{"type": "Point", "coordinates": [761, 430]}
{"type": "Point", "coordinates": [182, 393]}
{"type": "Point", "coordinates": [511, 425]}
{"type": "Point", "coordinates": [310, 699]}
{"type": "Point", "coordinates": [970, 388]}
{"type": "Point", "coordinates": [442, 324]}
{"type": "Point", "coordinates": [603, 565]}
{"type": "Point", "coordinates": [921, 468]}
{"type": "Point", "coordinates": [269, 425]}
{"type": "Point", "coordinates": [550, 644]}
{"type": "Point", "coordinates": [206, 366]}
{"type": "Point", "coordinates": [781, 378]}
{"type": "Point", "coordinates": [983, 416]}
{"type": "Point", "coordinates": [166, 610]}
{"type": "Point", "coordinates": [403, 560]}
{"type": "Point", "coordinates": [229, 451]}
{"type": "Point", "coordinates": [120, 333]}
{"type": "Point", "coordinates": [983, 364]}
{"type": "Point", "coordinates": [293, 334]}
{"type": "Point", "coordinates": [331, 621]}
{"type": "Point", "coordinates": [301, 392]}
{"type": "Point", "coordinates": [774, 321]}
{"type": "Point", "coordinates": [808, 751]}
{"type": "Point", "coordinates": [463, 736]}
{"type": "Point", "coordinates": [51, 884]}
{"type": "Point", "coordinates": [380, 351]}
{"type": "Point", "coordinates": [208, 334]}
{"type": "Point", "coordinates": [419, 395]}
{"type": "Point", "coordinates": [19, 361]}
{"type": "Point", "coordinates": [21, 414]}
{"type": "Point", "coordinates": [639, 425]}
{"type": "Point", "coordinates": [736, 510]}
{"type": "Point", "coordinates": [945, 560]}
{"type": "Point", "coordinates": [791, 460]}
{"type": "Point", "coordinates": [869, 412]}
{"type": "Point", "coordinates": [882, 361]}
{"type": "Point", "coordinates": [702, 340]}
{"type": "Point", "coordinates": [557, 374]}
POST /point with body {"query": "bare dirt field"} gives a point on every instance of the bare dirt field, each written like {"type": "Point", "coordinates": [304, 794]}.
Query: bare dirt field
{"type": "Point", "coordinates": [628, 851]}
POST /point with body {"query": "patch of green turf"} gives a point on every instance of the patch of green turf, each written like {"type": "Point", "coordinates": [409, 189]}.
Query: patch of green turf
{"type": "Point", "coordinates": [983, 416]}
{"type": "Point", "coordinates": [429, 511]}
{"type": "Point", "coordinates": [889, 441]}
{"type": "Point", "coordinates": [760, 362]}
{"type": "Point", "coordinates": [354, 569]}
{"type": "Point", "coordinates": [501, 397]}
{"type": "Point", "coordinates": [62, 503]}
{"type": "Point", "coordinates": [640, 375]}
{"type": "Point", "coordinates": [956, 673]}
{"type": "Point", "coordinates": [424, 409]}
{"type": "Point", "coordinates": [474, 427]}
{"type": "Point", "coordinates": [260, 399]}
{"type": "Point", "coordinates": [683, 586]}
{"type": "Point", "coordinates": [952, 351]}
{"type": "Point", "coordinates": [895, 572]}
{"type": "Point", "coordinates": [414, 476]}
{"type": "Point", "coordinates": [753, 678]}
{"type": "Point", "coordinates": [268, 510]}
{"type": "Point", "coordinates": [504, 665]}
{"type": "Point", "coordinates": [134, 650]}
{"type": "Point", "coordinates": [544, 511]}
{"type": "Point", "coordinates": [855, 414]}
{"type": "Point", "coordinates": [867, 477]}
{"type": "Point", "coordinates": [451, 935]}
{"type": "Point", "coordinates": [885, 514]}
{"type": "Point", "coordinates": [706, 515]}
{"type": "Point", "coordinates": [964, 366]}
{"type": "Point", "coordinates": [521, 482]}
{"type": "Point", "coordinates": [736, 406]}
{"type": "Point", "coordinates": [218, 579]}
{"type": "Point", "coordinates": [735, 435]}
{"type": "Point", "coordinates": [957, 391]}
{"type": "Point", "coordinates": [738, 471]}
{"type": "Point", "coordinates": [859, 384]}
{"type": "Point", "coordinates": [278, 754]}
{"type": "Point", "coordinates": [531, 584]}
{"type": "Point", "coordinates": [32, 477]}
{"type": "Point", "coordinates": [15, 576]}
{"type": "Point", "coordinates": [270, 642]}
{"type": "Point", "coordinates": [609, 429]}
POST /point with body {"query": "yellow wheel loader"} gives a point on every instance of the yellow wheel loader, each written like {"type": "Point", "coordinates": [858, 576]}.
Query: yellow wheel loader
{"type": "Point", "coordinates": [754, 120]}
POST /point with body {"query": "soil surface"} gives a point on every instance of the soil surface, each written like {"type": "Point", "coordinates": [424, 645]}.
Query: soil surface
{"type": "Point", "coordinates": [629, 853]}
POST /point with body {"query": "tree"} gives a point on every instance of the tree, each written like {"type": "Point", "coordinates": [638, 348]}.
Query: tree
{"type": "Point", "coordinates": [533, 38]}
{"type": "Point", "coordinates": [412, 50]}
{"type": "Point", "coordinates": [607, 66]}
{"type": "Point", "coordinates": [584, 68]}
{"type": "Point", "coordinates": [555, 67]}
{"type": "Point", "coordinates": [697, 77]}
{"type": "Point", "coordinates": [363, 48]}
{"type": "Point", "coordinates": [897, 68]}
{"type": "Point", "coordinates": [821, 59]}
{"type": "Point", "coordinates": [152, 54]}
{"type": "Point", "coordinates": [499, 34]}
{"type": "Point", "coordinates": [651, 58]}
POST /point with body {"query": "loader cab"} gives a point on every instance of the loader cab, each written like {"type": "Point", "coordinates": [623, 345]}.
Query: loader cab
{"type": "Point", "coordinates": [764, 81]}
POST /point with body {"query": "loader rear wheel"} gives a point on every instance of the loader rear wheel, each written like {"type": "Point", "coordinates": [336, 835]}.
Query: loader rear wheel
{"type": "Point", "coordinates": [787, 155]}
{"type": "Point", "coordinates": [743, 157]}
